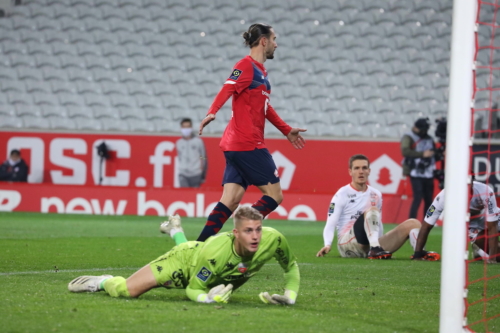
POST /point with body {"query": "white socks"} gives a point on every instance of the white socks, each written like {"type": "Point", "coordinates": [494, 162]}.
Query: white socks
{"type": "Point", "coordinates": [372, 223]}
{"type": "Point", "coordinates": [413, 236]}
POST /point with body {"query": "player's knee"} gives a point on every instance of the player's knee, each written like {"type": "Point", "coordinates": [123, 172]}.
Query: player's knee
{"type": "Point", "coordinates": [412, 223]}
{"type": "Point", "coordinates": [278, 197]}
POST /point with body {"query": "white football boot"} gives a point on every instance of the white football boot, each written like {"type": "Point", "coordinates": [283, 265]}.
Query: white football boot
{"type": "Point", "coordinates": [173, 224]}
{"type": "Point", "coordinates": [87, 283]}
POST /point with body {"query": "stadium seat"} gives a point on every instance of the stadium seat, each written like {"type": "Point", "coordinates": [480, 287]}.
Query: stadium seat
{"type": "Point", "coordinates": [62, 87]}
{"type": "Point", "coordinates": [53, 111]}
{"type": "Point", "coordinates": [114, 125]}
{"type": "Point", "coordinates": [331, 130]}
{"type": "Point", "coordinates": [122, 101]}
{"type": "Point", "coordinates": [157, 114]}
{"type": "Point", "coordinates": [7, 110]}
{"type": "Point", "coordinates": [15, 86]}
{"type": "Point", "coordinates": [79, 112]}
{"type": "Point", "coordinates": [62, 123]}
{"type": "Point", "coordinates": [68, 61]}
{"type": "Point", "coordinates": [32, 122]}
{"type": "Point", "coordinates": [148, 102]}
{"type": "Point", "coordinates": [39, 99]}
{"type": "Point", "coordinates": [385, 132]}
{"type": "Point", "coordinates": [131, 113]}
{"type": "Point", "coordinates": [28, 110]}
{"type": "Point", "coordinates": [8, 73]}
{"type": "Point", "coordinates": [10, 122]}
{"type": "Point", "coordinates": [140, 125]}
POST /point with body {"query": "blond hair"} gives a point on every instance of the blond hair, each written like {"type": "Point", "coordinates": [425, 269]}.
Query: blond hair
{"type": "Point", "coordinates": [246, 213]}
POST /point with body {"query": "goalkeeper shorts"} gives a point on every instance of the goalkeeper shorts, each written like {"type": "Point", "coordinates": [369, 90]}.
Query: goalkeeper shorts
{"type": "Point", "coordinates": [171, 270]}
{"type": "Point", "coordinates": [349, 247]}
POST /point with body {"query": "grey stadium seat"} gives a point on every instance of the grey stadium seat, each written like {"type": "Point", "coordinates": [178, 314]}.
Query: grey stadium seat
{"type": "Point", "coordinates": [10, 122]}
{"type": "Point", "coordinates": [114, 125]}
{"type": "Point", "coordinates": [62, 123]}
{"type": "Point", "coordinates": [32, 122]}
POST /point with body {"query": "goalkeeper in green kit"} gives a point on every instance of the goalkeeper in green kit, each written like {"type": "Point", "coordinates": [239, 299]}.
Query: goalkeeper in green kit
{"type": "Point", "coordinates": [209, 271]}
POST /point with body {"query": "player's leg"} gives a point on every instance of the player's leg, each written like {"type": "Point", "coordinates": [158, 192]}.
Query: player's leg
{"type": "Point", "coordinates": [394, 239]}
{"type": "Point", "coordinates": [261, 171]}
{"type": "Point", "coordinates": [234, 189]}
{"type": "Point", "coordinates": [427, 193]}
{"type": "Point", "coordinates": [416, 187]}
{"type": "Point", "coordinates": [349, 246]}
{"type": "Point", "coordinates": [272, 197]}
{"type": "Point", "coordinates": [173, 228]}
{"type": "Point", "coordinates": [368, 230]}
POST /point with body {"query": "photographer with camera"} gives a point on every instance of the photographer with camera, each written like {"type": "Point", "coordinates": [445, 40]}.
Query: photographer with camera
{"type": "Point", "coordinates": [417, 148]}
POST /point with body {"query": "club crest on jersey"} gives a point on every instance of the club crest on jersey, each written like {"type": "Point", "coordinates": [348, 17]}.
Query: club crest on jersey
{"type": "Point", "coordinates": [431, 211]}
{"type": "Point", "coordinates": [204, 274]}
{"type": "Point", "coordinates": [242, 268]}
{"type": "Point", "coordinates": [235, 74]}
{"type": "Point", "coordinates": [332, 208]}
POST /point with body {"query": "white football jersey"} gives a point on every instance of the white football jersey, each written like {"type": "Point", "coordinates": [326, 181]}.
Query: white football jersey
{"type": "Point", "coordinates": [345, 208]}
{"type": "Point", "coordinates": [483, 199]}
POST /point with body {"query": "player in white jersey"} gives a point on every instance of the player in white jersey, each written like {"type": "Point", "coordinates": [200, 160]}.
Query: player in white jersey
{"type": "Point", "coordinates": [355, 211]}
{"type": "Point", "coordinates": [482, 204]}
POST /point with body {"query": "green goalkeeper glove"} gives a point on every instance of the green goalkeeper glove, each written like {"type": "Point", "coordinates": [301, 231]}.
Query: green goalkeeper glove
{"type": "Point", "coordinates": [287, 299]}
{"type": "Point", "coordinates": [218, 294]}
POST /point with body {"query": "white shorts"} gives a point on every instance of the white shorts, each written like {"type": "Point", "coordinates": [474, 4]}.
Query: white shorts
{"type": "Point", "coordinates": [349, 247]}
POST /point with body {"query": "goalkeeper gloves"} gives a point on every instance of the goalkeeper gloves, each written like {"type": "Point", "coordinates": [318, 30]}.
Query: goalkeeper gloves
{"type": "Point", "coordinates": [287, 299]}
{"type": "Point", "coordinates": [218, 294]}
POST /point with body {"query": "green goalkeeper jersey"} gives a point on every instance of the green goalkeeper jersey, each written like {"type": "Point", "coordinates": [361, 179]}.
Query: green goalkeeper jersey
{"type": "Point", "coordinates": [198, 266]}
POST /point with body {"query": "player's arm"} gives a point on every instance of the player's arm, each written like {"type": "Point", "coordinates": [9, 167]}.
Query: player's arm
{"type": "Point", "coordinates": [430, 220]}
{"type": "Point", "coordinates": [204, 275]}
{"type": "Point", "coordinates": [334, 213]}
{"type": "Point", "coordinates": [241, 77]}
{"type": "Point", "coordinates": [287, 261]}
{"type": "Point", "coordinates": [292, 134]}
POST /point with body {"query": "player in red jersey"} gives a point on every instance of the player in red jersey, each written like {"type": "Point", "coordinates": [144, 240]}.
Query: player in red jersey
{"type": "Point", "coordinates": [248, 162]}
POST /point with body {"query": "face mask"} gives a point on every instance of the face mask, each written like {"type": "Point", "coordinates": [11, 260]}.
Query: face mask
{"type": "Point", "coordinates": [186, 132]}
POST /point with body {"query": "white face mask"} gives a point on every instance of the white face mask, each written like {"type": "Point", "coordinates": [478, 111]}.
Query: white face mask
{"type": "Point", "coordinates": [186, 132]}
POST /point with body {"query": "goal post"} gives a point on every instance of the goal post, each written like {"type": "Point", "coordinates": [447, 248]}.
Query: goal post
{"type": "Point", "coordinates": [458, 138]}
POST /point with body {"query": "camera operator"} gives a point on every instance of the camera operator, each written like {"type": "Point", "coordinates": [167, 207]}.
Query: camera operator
{"type": "Point", "coordinates": [417, 148]}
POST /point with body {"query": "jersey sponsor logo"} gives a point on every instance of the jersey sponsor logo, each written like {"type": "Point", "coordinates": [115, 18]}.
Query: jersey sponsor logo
{"type": "Point", "coordinates": [351, 195]}
{"type": "Point", "coordinates": [332, 208]}
{"type": "Point", "coordinates": [204, 274]}
{"type": "Point", "coordinates": [235, 74]}
{"type": "Point", "coordinates": [430, 211]}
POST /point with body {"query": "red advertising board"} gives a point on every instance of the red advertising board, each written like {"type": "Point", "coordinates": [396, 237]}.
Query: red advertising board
{"type": "Point", "coordinates": [142, 169]}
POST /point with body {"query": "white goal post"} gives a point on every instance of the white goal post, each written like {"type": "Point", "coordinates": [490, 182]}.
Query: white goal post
{"type": "Point", "coordinates": [458, 139]}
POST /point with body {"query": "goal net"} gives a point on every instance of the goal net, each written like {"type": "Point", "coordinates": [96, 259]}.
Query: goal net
{"type": "Point", "coordinates": [482, 283]}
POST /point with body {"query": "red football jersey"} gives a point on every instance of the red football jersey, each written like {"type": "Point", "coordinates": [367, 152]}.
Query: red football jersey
{"type": "Point", "coordinates": [251, 90]}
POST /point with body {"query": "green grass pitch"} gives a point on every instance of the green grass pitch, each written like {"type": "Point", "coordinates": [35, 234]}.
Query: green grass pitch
{"type": "Point", "coordinates": [41, 253]}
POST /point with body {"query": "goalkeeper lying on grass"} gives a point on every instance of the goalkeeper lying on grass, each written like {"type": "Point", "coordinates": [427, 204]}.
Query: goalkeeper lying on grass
{"type": "Point", "coordinates": [209, 271]}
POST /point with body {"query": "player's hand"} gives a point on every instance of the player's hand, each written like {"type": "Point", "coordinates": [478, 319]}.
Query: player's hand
{"type": "Point", "coordinates": [287, 299]}
{"type": "Point", "coordinates": [220, 293]}
{"type": "Point", "coordinates": [296, 139]}
{"type": "Point", "coordinates": [207, 120]}
{"type": "Point", "coordinates": [491, 261]}
{"type": "Point", "coordinates": [323, 251]}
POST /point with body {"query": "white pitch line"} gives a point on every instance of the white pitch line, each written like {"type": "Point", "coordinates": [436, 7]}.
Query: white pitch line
{"type": "Point", "coordinates": [53, 271]}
